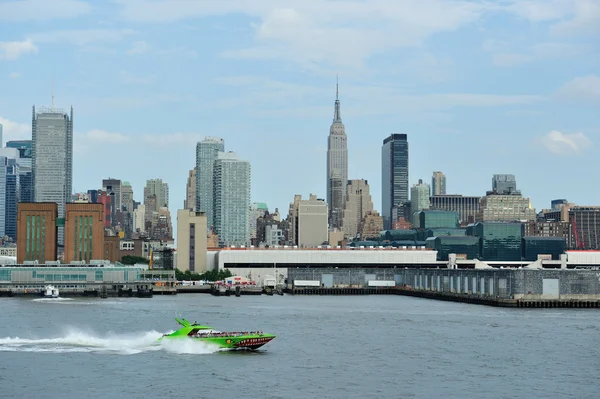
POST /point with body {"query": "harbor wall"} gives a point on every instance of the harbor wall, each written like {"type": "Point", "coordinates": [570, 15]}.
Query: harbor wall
{"type": "Point", "coordinates": [518, 284]}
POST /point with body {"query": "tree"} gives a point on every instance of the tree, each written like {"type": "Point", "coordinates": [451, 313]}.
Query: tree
{"type": "Point", "coordinates": [210, 275]}
{"type": "Point", "coordinates": [132, 260]}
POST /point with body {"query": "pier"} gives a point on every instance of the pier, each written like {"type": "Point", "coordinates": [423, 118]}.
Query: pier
{"type": "Point", "coordinates": [512, 288]}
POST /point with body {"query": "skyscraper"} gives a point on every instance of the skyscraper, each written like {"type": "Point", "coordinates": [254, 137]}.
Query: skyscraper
{"type": "Point", "coordinates": [394, 175]}
{"type": "Point", "coordinates": [160, 189]}
{"type": "Point", "coordinates": [113, 187]}
{"type": "Point", "coordinates": [337, 166]}
{"type": "Point", "coordinates": [24, 161]}
{"type": "Point", "coordinates": [3, 161]}
{"type": "Point", "coordinates": [127, 205]}
{"type": "Point", "coordinates": [52, 158]}
{"type": "Point", "coordinates": [232, 199]}
{"type": "Point", "coordinates": [12, 194]}
{"type": "Point", "coordinates": [206, 154]}
{"type": "Point", "coordinates": [127, 197]}
{"type": "Point", "coordinates": [505, 185]}
{"type": "Point", "coordinates": [190, 192]}
{"type": "Point", "coordinates": [358, 206]}
{"type": "Point", "coordinates": [438, 183]}
{"type": "Point", "coordinates": [419, 198]}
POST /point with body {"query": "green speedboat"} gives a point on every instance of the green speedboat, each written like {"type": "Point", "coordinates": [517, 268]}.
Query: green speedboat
{"type": "Point", "coordinates": [229, 340]}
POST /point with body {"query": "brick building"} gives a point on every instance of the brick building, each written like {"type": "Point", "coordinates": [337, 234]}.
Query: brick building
{"type": "Point", "coordinates": [37, 231]}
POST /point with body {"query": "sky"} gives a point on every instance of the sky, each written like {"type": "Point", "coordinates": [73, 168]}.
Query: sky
{"type": "Point", "coordinates": [480, 87]}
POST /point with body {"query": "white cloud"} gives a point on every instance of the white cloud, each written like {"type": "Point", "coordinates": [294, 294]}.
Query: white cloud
{"type": "Point", "coordinates": [13, 50]}
{"type": "Point", "coordinates": [269, 97]}
{"type": "Point", "coordinates": [14, 75]}
{"type": "Point", "coordinates": [539, 52]}
{"type": "Point", "coordinates": [585, 20]}
{"type": "Point", "coordinates": [139, 47]}
{"type": "Point", "coordinates": [42, 10]}
{"type": "Point", "coordinates": [98, 137]}
{"type": "Point", "coordinates": [102, 136]}
{"type": "Point", "coordinates": [584, 88]}
{"type": "Point", "coordinates": [81, 37]}
{"type": "Point", "coordinates": [311, 32]}
{"type": "Point", "coordinates": [541, 10]}
{"type": "Point", "coordinates": [126, 77]}
{"type": "Point", "coordinates": [14, 130]}
{"type": "Point", "coordinates": [565, 144]}
{"type": "Point", "coordinates": [345, 33]}
{"type": "Point", "coordinates": [172, 139]}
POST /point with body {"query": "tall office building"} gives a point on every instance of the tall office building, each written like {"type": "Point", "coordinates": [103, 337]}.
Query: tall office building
{"type": "Point", "coordinates": [160, 189]}
{"type": "Point", "coordinates": [206, 154]}
{"type": "Point", "coordinates": [337, 166]}
{"type": "Point", "coordinates": [191, 241]}
{"type": "Point", "coordinates": [25, 174]}
{"type": "Point", "coordinates": [3, 161]}
{"type": "Point", "coordinates": [312, 222]}
{"type": "Point", "coordinates": [127, 206]}
{"type": "Point", "coordinates": [419, 199]}
{"type": "Point", "coordinates": [505, 208]}
{"type": "Point", "coordinates": [394, 176]}
{"type": "Point", "coordinates": [12, 195]}
{"type": "Point", "coordinates": [139, 219]}
{"type": "Point", "coordinates": [505, 185]}
{"type": "Point", "coordinates": [358, 206]}
{"type": "Point", "coordinates": [52, 158]}
{"type": "Point", "coordinates": [113, 187]}
{"type": "Point", "coordinates": [127, 197]}
{"type": "Point", "coordinates": [190, 191]}
{"type": "Point", "coordinates": [438, 183]}
{"type": "Point", "coordinates": [231, 199]}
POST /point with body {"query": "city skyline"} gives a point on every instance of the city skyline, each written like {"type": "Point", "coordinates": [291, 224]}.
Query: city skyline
{"type": "Point", "coordinates": [273, 104]}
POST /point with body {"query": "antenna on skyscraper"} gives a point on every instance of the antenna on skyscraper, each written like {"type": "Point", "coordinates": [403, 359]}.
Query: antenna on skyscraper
{"type": "Point", "coordinates": [52, 92]}
{"type": "Point", "coordinates": [336, 87]}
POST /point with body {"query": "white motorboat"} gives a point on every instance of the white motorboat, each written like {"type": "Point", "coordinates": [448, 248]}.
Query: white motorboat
{"type": "Point", "coordinates": [50, 291]}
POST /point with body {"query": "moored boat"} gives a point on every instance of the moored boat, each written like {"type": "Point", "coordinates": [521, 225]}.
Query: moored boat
{"type": "Point", "coordinates": [229, 340]}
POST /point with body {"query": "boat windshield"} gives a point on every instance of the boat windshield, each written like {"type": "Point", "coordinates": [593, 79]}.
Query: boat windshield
{"type": "Point", "coordinates": [214, 333]}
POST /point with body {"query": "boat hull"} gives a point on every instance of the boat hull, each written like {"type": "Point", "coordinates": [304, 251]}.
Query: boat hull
{"type": "Point", "coordinates": [252, 342]}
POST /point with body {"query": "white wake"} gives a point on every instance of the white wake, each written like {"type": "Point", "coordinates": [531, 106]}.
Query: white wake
{"type": "Point", "coordinates": [124, 344]}
{"type": "Point", "coordinates": [52, 300]}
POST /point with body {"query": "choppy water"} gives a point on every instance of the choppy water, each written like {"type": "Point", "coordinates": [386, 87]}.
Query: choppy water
{"type": "Point", "coordinates": [326, 347]}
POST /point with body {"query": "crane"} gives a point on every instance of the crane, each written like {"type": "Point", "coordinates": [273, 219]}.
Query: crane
{"type": "Point", "coordinates": [578, 240]}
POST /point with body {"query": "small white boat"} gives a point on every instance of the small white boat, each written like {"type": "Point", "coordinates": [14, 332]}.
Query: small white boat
{"type": "Point", "coordinates": [50, 291]}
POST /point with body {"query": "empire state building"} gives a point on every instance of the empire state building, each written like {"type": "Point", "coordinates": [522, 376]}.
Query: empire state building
{"type": "Point", "coordinates": [337, 166]}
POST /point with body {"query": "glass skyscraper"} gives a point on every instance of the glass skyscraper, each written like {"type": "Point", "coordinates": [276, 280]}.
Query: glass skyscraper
{"type": "Point", "coordinates": [394, 175]}
{"type": "Point", "coordinates": [52, 158]}
{"type": "Point", "coordinates": [504, 184]}
{"type": "Point", "coordinates": [25, 174]}
{"type": "Point", "coordinates": [3, 161]}
{"type": "Point", "coordinates": [206, 154]}
{"type": "Point", "coordinates": [12, 197]}
{"type": "Point", "coordinates": [231, 199]}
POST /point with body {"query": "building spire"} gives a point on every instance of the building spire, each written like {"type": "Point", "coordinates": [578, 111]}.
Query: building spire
{"type": "Point", "coordinates": [337, 116]}
{"type": "Point", "coordinates": [52, 92]}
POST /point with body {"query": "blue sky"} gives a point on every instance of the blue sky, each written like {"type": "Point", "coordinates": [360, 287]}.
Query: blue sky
{"type": "Point", "coordinates": [480, 87]}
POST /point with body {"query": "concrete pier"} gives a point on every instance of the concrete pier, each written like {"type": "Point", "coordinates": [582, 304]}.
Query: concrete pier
{"type": "Point", "coordinates": [517, 288]}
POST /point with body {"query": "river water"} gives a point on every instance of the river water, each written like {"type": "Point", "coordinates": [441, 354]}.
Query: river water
{"type": "Point", "coordinates": [326, 347]}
